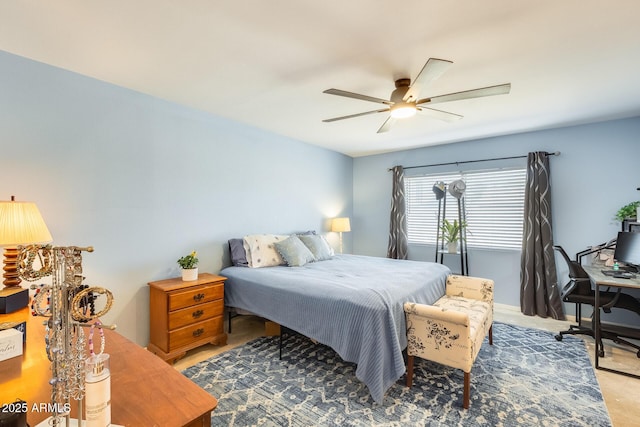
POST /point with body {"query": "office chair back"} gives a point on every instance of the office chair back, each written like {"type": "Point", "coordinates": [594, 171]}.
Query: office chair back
{"type": "Point", "coordinates": [580, 283]}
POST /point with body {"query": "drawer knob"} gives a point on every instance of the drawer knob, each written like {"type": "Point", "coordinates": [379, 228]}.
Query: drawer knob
{"type": "Point", "coordinates": [198, 332]}
{"type": "Point", "coordinates": [197, 314]}
{"type": "Point", "coordinates": [198, 297]}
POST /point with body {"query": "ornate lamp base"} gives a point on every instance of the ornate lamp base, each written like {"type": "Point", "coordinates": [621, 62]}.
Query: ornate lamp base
{"type": "Point", "coordinates": [12, 297]}
{"type": "Point", "coordinates": [10, 261]}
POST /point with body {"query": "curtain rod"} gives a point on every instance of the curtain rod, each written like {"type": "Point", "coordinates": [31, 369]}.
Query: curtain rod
{"type": "Point", "coordinates": [556, 153]}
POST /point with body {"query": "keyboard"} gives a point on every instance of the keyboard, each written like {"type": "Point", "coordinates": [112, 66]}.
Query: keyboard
{"type": "Point", "coordinates": [619, 274]}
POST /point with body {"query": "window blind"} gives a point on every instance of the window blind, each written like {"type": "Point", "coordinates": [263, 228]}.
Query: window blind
{"type": "Point", "coordinates": [493, 201]}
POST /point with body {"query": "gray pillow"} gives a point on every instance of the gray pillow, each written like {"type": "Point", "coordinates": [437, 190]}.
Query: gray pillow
{"type": "Point", "coordinates": [238, 255]}
{"type": "Point", "coordinates": [294, 252]}
{"type": "Point", "coordinates": [318, 246]}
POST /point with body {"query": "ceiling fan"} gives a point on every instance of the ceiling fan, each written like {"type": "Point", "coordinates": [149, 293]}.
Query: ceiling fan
{"type": "Point", "coordinates": [404, 101]}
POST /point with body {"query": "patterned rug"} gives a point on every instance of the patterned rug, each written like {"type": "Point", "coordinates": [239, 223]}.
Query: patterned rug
{"type": "Point", "coordinates": [526, 378]}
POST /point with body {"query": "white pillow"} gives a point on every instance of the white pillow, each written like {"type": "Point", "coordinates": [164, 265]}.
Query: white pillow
{"type": "Point", "coordinates": [261, 251]}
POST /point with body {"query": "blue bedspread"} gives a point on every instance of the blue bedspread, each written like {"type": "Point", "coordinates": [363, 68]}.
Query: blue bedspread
{"type": "Point", "coordinates": [352, 303]}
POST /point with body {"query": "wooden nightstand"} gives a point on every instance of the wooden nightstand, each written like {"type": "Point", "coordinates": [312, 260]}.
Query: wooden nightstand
{"type": "Point", "coordinates": [185, 315]}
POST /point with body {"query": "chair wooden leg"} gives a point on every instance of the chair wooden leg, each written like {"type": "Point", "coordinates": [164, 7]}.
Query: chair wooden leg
{"type": "Point", "coordinates": [467, 390]}
{"type": "Point", "coordinates": [409, 371]}
{"type": "Point", "coordinates": [491, 334]}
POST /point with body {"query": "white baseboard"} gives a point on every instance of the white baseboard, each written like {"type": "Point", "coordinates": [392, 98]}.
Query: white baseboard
{"type": "Point", "coordinates": [515, 309]}
{"type": "Point", "coordinates": [507, 307]}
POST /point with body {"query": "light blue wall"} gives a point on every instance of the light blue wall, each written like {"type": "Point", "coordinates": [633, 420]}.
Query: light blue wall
{"type": "Point", "coordinates": [597, 173]}
{"type": "Point", "coordinates": [145, 181]}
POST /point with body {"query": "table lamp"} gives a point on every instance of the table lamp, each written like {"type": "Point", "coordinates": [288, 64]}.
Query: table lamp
{"type": "Point", "coordinates": [340, 225]}
{"type": "Point", "coordinates": [20, 224]}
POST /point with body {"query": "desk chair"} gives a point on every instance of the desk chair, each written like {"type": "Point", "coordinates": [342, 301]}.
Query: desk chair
{"type": "Point", "coordinates": [578, 290]}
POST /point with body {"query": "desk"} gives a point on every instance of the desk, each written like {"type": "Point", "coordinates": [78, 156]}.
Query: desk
{"type": "Point", "coordinates": [145, 391]}
{"type": "Point", "coordinates": [599, 280]}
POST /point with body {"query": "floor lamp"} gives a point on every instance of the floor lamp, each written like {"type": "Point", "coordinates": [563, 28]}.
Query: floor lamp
{"type": "Point", "coordinates": [20, 224]}
{"type": "Point", "coordinates": [340, 225]}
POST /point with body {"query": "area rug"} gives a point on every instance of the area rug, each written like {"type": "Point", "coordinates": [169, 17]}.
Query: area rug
{"type": "Point", "coordinates": [526, 378]}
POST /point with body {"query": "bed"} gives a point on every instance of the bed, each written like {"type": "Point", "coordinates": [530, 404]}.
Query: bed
{"type": "Point", "coordinates": [351, 303]}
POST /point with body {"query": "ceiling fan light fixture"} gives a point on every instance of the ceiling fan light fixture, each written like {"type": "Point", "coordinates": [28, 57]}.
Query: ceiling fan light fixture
{"type": "Point", "coordinates": [404, 101]}
{"type": "Point", "coordinates": [402, 110]}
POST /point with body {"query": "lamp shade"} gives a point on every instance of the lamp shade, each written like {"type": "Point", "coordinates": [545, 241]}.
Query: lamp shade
{"type": "Point", "coordinates": [439, 189]}
{"type": "Point", "coordinates": [457, 188]}
{"type": "Point", "coordinates": [340, 225]}
{"type": "Point", "coordinates": [22, 224]}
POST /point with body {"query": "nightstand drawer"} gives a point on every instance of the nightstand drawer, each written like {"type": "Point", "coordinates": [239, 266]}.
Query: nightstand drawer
{"type": "Point", "coordinates": [197, 313]}
{"type": "Point", "coordinates": [196, 332]}
{"type": "Point", "coordinates": [195, 295]}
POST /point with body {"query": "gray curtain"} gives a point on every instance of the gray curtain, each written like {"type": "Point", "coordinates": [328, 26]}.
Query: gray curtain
{"type": "Point", "coordinates": [398, 246]}
{"type": "Point", "coordinates": [539, 294]}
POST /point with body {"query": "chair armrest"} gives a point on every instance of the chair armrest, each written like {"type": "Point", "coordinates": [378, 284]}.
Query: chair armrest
{"type": "Point", "coordinates": [470, 287]}
{"type": "Point", "coordinates": [436, 313]}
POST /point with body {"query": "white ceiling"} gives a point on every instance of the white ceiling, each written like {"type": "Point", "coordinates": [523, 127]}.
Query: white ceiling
{"type": "Point", "coordinates": [266, 63]}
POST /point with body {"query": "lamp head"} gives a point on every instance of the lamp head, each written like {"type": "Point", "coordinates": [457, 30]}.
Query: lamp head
{"type": "Point", "coordinates": [457, 188]}
{"type": "Point", "coordinates": [21, 224]}
{"type": "Point", "coordinates": [340, 225]}
{"type": "Point", "coordinates": [439, 189]}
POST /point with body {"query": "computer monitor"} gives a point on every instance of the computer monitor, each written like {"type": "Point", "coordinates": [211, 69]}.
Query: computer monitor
{"type": "Point", "coordinates": [628, 249]}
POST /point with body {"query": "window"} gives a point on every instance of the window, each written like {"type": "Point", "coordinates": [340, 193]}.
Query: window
{"type": "Point", "coordinates": [494, 205]}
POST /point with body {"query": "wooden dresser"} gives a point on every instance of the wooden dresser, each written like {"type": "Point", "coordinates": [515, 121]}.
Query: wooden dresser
{"type": "Point", "coordinates": [145, 391]}
{"type": "Point", "coordinates": [185, 315]}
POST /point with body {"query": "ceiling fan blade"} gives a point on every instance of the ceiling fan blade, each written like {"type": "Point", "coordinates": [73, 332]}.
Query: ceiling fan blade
{"type": "Point", "coordinates": [433, 69]}
{"type": "Point", "coordinates": [355, 115]}
{"type": "Point", "coordinates": [467, 94]}
{"type": "Point", "coordinates": [356, 96]}
{"type": "Point", "coordinates": [439, 114]}
{"type": "Point", "coordinates": [386, 126]}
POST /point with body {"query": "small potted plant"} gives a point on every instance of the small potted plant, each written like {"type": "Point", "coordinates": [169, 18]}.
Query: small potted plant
{"type": "Point", "coordinates": [628, 211]}
{"type": "Point", "coordinates": [189, 264]}
{"type": "Point", "coordinates": [451, 233]}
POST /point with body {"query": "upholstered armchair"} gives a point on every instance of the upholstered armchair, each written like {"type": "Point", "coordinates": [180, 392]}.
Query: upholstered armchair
{"type": "Point", "coordinates": [451, 331]}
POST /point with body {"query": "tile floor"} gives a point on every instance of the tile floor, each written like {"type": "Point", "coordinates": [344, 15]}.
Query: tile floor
{"type": "Point", "coordinates": [621, 393]}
